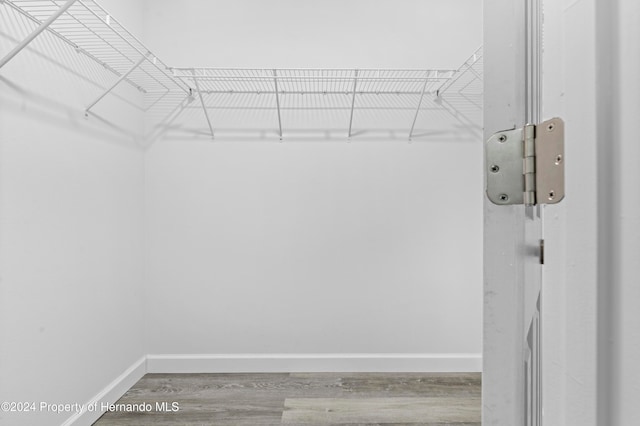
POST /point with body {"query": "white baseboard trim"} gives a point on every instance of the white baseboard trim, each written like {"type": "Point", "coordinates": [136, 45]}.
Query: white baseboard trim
{"type": "Point", "coordinates": [270, 363]}
{"type": "Point", "coordinates": [92, 410]}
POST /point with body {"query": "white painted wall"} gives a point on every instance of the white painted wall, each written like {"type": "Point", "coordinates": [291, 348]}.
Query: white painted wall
{"type": "Point", "coordinates": [315, 34]}
{"type": "Point", "coordinates": [310, 248]}
{"type": "Point", "coordinates": [314, 246]}
{"type": "Point", "coordinates": [71, 211]}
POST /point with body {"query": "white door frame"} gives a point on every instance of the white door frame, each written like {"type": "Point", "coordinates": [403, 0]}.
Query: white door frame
{"type": "Point", "coordinates": [504, 226]}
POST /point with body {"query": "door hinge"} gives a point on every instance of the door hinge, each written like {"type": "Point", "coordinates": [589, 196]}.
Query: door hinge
{"type": "Point", "coordinates": [526, 165]}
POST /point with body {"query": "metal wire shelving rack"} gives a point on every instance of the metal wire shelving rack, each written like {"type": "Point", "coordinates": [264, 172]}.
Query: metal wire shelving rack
{"type": "Point", "coordinates": [319, 82]}
{"type": "Point", "coordinates": [89, 29]}
{"type": "Point", "coordinates": [343, 89]}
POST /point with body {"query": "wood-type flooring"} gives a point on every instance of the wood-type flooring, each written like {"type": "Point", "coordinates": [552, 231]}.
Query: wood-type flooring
{"type": "Point", "coordinates": [310, 399]}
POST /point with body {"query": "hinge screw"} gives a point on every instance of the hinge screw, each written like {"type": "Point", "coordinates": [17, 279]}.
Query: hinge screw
{"type": "Point", "coordinates": [558, 159]}
{"type": "Point", "coordinates": [552, 195]}
{"type": "Point", "coordinates": [502, 138]}
{"type": "Point", "coordinates": [494, 169]}
{"type": "Point", "coordinates": [503, 197]}
{"type": "Point", "coordinates": [550, 127]}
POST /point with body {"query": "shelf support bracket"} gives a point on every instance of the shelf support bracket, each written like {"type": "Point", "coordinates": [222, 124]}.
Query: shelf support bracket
{"type": "Point", "coordinates": [415, 117]}
{"type": "Point", "coordinates": [353, 100]}
{"type": "Point", "coordinates": [204, 108]}
{"type": "Point", "coordinates": [113, 86]}
{"type": "Point", "coordinates": [275, 82]}
{"type": "Point", "coordinates": [43, 26]}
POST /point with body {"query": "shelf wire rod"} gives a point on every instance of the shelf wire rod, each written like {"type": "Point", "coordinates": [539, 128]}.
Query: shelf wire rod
{"type": "Point", "coordinates": [204, 108]}
{"type": "Point", "coordinates": [474, 72]}
{"type": "Point", "coordinates": [86, 36]}
{"type": "Point", "coordinates": [232, 86]}
{"type": "Point", "coordinates": [122, 77]}
{"type": "Point", "coordinates": [247, 84]}
{"type": "Point", "coordinates": [165, 123]}
{"type": "Point", "coordinates": [457, 114]}
{"type": "Point", "coordinates": [345, 79]}
{"type": "Point", "coordinates": [212, 84]}
{"type": "Point", "coordinates": [239, 84]}
{"type": "Point", "coordinates": [361, 91]}
{"type": "Point", "coordinates": [43, 26]}
{"type": "Point", "coordinates": [264, 86]}
{"type": "Point", "coordinates": [153, 77]}
{"type": "Point", "coordinates": [353, 100]}
{"type": "Point", "coordinates": [469, 83]}
{"type": "Point", "coordinates": [415, 117]}
{"type": "Point", "coordinates": [469, 63]}
{"type": "Point", "coordinates": [314, 108]}
{"type": "Point", "coordinates": [275, 82]}
{"type": "Point", "coordinates": [60, 24]}
{"type": "Point", "coordinates": [146, 56]}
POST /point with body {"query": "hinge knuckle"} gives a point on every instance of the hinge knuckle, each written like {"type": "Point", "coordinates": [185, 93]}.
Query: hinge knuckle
{"type": "Point", "coordinates": [526, 166]}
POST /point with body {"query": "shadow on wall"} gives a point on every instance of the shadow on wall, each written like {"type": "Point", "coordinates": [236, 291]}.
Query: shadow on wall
{"type": "Point", "coordinates": [242, 117]}
{"type": "Point", "coordinates": [20, 100]}
{"type": "Point", "coordinates": [56, 80]}
{"type": "Point", "coordinates": [52, 83]}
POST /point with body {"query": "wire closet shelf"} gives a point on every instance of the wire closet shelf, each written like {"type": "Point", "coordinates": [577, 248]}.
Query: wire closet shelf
{"type": "Point", "coordinates": [89, 29]}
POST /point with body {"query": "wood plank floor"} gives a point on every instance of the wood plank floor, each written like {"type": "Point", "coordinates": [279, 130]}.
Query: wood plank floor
{"type": "Point", "coordinates": [310, 399]}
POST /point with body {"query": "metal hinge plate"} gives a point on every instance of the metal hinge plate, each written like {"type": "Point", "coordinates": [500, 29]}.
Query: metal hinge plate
{"type": "Point", "coordinates": [526, 165]}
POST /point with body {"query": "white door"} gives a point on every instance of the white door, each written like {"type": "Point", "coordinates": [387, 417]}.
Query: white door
{"type": "Point", "coordinates": [513, 233]}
